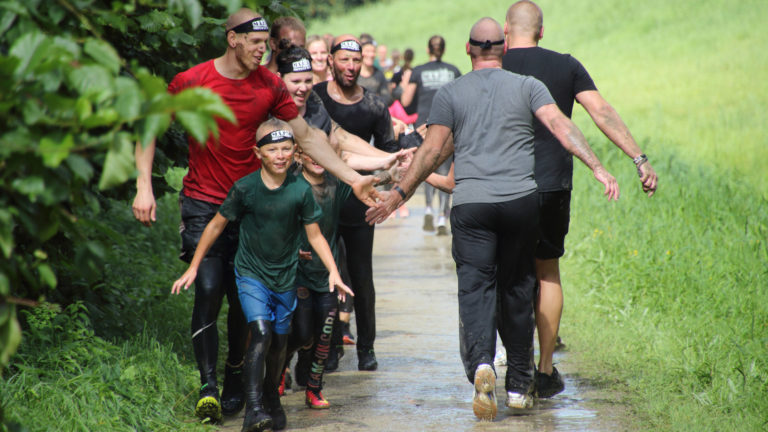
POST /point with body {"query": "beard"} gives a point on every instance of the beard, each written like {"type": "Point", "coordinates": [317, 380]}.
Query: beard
{"type": "Point", "coordinates": [343, 82]}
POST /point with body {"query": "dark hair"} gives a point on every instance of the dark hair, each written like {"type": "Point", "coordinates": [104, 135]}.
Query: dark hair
{"type": "Point", "coordinates": [286, 21]}
{"type": "Point", "coordinates": [407, 58]}
{"type": "Point", "coordinates": [291, 54]}
{"type": "Point", "coordinates": [436, 46]}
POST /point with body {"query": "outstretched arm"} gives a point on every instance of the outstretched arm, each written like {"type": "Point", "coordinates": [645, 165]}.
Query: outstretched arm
{"type": "Point", "coordinates": [573, 140]}
{"type": "Point", "coordinates": [144, 206]}
{"type": "Point", "coordinates": [320, 245]}
{"type": "Point", "coordinates": [607, 119]}
{"type": "Point", "coordinates": [211, 232]}
{"type": "Point", "coordinates": [445, 183]}
{"type": "Point", "coordinates": [435, 149]}
{"type": "Point", "coordinates": [315, 143]}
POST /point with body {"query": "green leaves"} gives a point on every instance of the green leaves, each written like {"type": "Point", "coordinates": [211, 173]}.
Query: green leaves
{"type": "Point", "coordinates": [119, 164]}
{"type": "Point", "coordinates": [103, 53]}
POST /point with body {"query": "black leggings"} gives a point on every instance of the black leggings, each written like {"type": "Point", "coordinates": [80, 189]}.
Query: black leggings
{"type": "Point", "coordinates": [494, 247]}
{"type": "Point", "coordinates": [358, 241]}
{"type": "Point", "coordinates": [313, 320]}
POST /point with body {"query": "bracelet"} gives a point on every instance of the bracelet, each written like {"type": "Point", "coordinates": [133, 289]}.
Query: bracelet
{"type": "Point", "coordinates": [640, 160]}
{"type": "Point", "coordinates": [400, 191]}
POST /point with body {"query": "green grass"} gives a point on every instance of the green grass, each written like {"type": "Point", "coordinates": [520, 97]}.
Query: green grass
{"type": "Point", "coordinates": [666, 298]}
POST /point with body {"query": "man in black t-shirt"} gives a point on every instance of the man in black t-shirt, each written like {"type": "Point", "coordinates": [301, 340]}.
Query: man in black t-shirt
{"type": "Point", "coordinates": [567, 80]}
{"type": "Point", "coordinates": [361, 113]}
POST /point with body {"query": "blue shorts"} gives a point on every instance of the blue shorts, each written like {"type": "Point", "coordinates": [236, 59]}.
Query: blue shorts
{"type": "Point", "coordinates": [261, 303]}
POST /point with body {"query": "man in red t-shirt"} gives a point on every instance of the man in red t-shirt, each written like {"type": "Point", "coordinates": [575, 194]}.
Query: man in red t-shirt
{"type": "Point", "coordinates": [253, 93]}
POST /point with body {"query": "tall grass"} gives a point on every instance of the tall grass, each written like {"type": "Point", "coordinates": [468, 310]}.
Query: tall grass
{"type": "Point", "coordinates": [666, 297]}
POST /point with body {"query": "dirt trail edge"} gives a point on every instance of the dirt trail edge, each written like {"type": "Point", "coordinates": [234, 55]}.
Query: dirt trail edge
{"type": "Point", "coordinates": [420, 384]}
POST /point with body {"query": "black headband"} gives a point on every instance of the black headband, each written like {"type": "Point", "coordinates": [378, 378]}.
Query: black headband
{"type": "Point", "coordinates": [485, 45]}
{"type": "Point", "coordinates": [302, 65]}
{"type": "Point", "coordinates": [347, 45]}
{"type": "Point", "coordinates": [275, 137]}
{"type": "Point", "coordinates": [257, 24]}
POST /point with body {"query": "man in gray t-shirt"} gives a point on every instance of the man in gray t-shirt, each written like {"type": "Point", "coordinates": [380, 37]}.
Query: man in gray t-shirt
{"type": "Point", "coordinates": [495, 214]}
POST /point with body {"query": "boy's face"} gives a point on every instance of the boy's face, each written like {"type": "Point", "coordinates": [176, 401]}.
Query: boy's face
{"type": "Point", "coordinates": [308, 164]}
{"type": "Point", "coordinates": [276, 158]}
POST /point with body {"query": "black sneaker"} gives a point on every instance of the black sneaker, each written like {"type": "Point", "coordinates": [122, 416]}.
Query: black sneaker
{"type": "Point", "coordinates": [232, 396]}
{"type": "Point", "coordinates": [546, 386]}
{"type": "Point", "coordinates": [347, 334]}
{"type": "Point", "coordinates": [257, 420]}
{"type": "Point", "coordinates": [208, 407]}
{"type": "Point", "coordinates": [275, 410]}
{"type": "Point", "coordinates": [366, 360]}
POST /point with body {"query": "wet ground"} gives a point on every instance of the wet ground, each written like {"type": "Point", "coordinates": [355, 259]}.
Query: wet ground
{"type": "Point", "coordinates": [420, 384]}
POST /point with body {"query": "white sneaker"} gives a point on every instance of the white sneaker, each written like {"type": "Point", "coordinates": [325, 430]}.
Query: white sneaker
{"type": "Point", "coordinates": [441, 228]}
{"type": "Point", "coordinates": [501, 357]}
{"type": "Point", "coordinates": [484, 398]}
{"type": "Point", "coordinates": [519, 400]}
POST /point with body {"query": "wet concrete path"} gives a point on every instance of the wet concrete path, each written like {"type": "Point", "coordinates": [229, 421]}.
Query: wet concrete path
{"type": "Point", "coordinates": [420, 384]}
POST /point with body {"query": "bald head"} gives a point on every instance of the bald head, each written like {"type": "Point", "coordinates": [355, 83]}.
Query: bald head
{"type": "Point", "coordinates": [489, 33]}
{"type": "Point", "coordinates": [240, 17]}
{"type": "Point", "coordinates": [525, 20]}
{"type": "Point", "coordinates": [338, 39]}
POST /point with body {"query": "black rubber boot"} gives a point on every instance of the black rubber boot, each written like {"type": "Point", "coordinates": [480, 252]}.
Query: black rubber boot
{"type": "Point", "coordinates": [274, 370]}
{"type": "Point", "coordinates": [256, 417]}
{"type": "Point", "coordinates": [233, 395]}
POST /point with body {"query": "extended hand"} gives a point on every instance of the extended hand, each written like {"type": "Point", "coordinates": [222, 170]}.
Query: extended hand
{"type": "Point", "coordinates": [365, 191]}
{"type": "Point", "coordinates": [389, 202]}
{"type": "Point", "coordinates": [334, 280]}
{"type": "Point", "coordinates": [305, 255]}
{"type": "Point", "coordinates": [144, 207]}
{"type": "Point", "coordinates": [648, 178]}
{"type": "Point", "coordinates": [611, 186]}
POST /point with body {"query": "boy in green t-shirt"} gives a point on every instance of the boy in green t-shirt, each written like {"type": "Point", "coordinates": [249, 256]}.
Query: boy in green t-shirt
{"type": "Point", "coordinates": [271, 207]}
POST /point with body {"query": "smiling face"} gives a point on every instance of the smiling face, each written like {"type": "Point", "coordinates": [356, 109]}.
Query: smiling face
{"type": "Point", "coordinates": [369, 55]}
{"type": "Point", "coordinates": [309, 166]}
{"type": "Point", "coordinates": [319, 53]}
{"type": "Point", "coordinates": [249, 47]}
{"type": "Point", "coordinates": [276, 158]}
{"type": "Point", "coordinates": [299, 85]}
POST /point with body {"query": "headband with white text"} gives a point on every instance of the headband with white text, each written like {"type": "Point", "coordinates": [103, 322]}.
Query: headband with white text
{"type": "Point", "coordinates": [258, 24]}
{"type": "Point", "coordinates": [275, 137]}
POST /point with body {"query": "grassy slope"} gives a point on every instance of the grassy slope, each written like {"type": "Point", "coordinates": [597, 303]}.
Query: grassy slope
{"type": "Point", "coordinates": [665, 297]}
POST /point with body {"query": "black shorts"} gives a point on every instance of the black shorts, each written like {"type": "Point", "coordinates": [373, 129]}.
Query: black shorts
{"type": "Point", "coordinates": [195, 215]}
{"type": "Point", "coordinates": [554, 218]}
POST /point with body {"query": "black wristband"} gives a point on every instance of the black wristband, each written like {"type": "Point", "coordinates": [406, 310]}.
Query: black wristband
{"type": "Point", "coordinates": [400, 191]}
{"type": "Point", "coordinates": [640, 160]}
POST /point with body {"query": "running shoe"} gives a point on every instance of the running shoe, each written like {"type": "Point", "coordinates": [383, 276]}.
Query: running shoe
{"type": "Point", "coordinates": [546, 386]}
{"type": "Point", "coordinates": [519, 400]}
{"type": "Point", "coordinates": [366, 360]}
{"type": "Point", "coordinates": [285, 381]}
{"type": "Point", "coordinates": [233, 394]}
{"type": "Point", "coordinates": [441, 228]}
{"type": "Point", "coordinates": [208, 407]}
{"type": "Point", "coordinates": [428, 220]}
{"type": "Point", "coordinates": [257, 420]}
{"type": "Point", "coordinates": [347, 334]}
{"type": "Point", "coordinates": [559, 345]}
{"type": "Point", "coordinates": [315, 400]}
{"type": "Point", "coordinates": [484, 398]}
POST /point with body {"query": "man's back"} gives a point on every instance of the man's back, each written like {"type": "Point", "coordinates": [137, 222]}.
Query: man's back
{"type": "Point", "coordinates": [491, 113]}
{"type": "Point", "coordinates": [429, 77]}
{"type": "Point", "coordinates": [564, 77]}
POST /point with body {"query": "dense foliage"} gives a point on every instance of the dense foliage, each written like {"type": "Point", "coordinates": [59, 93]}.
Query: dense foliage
{"type": "Point", "coordinates": [80, 82]}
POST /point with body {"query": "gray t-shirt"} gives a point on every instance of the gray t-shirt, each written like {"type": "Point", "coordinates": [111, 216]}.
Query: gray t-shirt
{"type": "Point", "coordinates": [491, 113]}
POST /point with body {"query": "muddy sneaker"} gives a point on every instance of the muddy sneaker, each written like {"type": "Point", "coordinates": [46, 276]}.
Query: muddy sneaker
{"type": "Point", "coordinates": [315, 400]}
{"type": "Point", "coordinates": [347, 334]}
{"type": "Point", "coordinates": [366, 360]}
{"type": "Point", "coordinates": [275, 410]}
{"type": "Point", "coordinates": [257, 420]}
{"type": "Point", "coordinates": [233, 395]}
{"type": "Point", "coordinates": [484, 398]}
{"type": "Point", "coordinates": [208, 407]}
{"type": "Point", "coordinates": [441, 228]}
{"type": "Point", "coordinates": [559, 345]}
{"type": "Point", "coordinates": [546, 386]}
{"type": "Point", "coordinates": [428, 220]}
{"type": "Point", "coordinates": [519, 400]}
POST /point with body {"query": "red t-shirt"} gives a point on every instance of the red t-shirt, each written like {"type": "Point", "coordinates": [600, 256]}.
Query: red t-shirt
{"type": "Point", "coordinates": [215, 167]}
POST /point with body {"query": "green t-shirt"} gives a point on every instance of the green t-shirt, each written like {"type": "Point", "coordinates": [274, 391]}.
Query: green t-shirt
{"type": "Point", "coordinates": [331, 196]}
{"type": "Point", "coordinates": [271, 224]}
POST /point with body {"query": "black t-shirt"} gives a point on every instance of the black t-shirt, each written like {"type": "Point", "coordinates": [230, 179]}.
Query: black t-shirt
{"type": "Point", "coordinates": [316, 115]}
{"type": "Point", "coordinates": [368, 118]}
{"type": "Point", "coordinates": [564, 77]}
{"type": "Point", "coordinates": [398, 93]}
{"type": "Point", "coordinates": [428, 78]}
{"type": "Point", "coordinates": [377, 84]}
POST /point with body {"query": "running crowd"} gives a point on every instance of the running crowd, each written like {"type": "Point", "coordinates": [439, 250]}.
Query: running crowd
{"type": "Point", "coordinates": [333, 136]}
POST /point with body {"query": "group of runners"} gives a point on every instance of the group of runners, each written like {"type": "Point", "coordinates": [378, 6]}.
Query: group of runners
{"type": "Point", "coordinates": [278, 211]}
